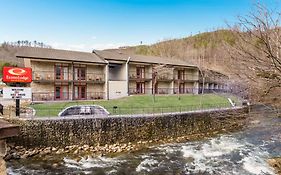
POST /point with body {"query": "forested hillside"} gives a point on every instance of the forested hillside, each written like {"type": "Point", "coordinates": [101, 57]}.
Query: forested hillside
{"type": "Point", "coordinates": [212, 50]}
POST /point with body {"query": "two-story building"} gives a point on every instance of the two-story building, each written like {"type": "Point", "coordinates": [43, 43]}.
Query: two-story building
{"type": "Point", "coordinates": [64, 75]}
{"type": "Point", "coordinates": [137, 74]}
{"type": "Point", "coordinates": [108, 74]}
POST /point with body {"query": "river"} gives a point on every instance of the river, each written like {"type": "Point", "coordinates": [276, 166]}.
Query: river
{"type": "Point", "coordinates": [240, 153]}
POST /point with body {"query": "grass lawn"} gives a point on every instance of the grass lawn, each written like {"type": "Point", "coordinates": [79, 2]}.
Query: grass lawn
{"type": "Point", "coordinates": [141, 104]}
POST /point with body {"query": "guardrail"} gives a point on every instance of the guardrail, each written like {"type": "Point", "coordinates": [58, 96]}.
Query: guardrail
{"type": "Point", "coordinates": [45, 112]}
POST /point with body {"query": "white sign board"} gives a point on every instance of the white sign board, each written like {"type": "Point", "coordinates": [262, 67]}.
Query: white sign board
{"type": "Point", "coordinates": [16, 93]}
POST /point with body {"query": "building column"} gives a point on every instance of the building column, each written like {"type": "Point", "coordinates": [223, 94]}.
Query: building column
{"type": "Point", "coordinates": [127, 75]}
{"type": "Point", "coordinates": [195, 87]}
{"type": "Point", "coordinates": [106, 80]}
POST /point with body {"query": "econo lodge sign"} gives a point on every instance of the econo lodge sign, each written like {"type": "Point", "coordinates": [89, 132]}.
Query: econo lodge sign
{"type": "Point", "coordinates": [17, 75]}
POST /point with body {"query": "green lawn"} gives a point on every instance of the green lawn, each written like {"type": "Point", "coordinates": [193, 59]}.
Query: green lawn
{"type": "Point", "coordinates": [141, 104]}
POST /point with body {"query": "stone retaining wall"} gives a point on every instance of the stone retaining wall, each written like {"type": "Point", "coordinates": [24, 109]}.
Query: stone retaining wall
{"type": "Point", "coordinates": [101, 131]}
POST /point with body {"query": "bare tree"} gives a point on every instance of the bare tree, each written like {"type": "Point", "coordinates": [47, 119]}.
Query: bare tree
{"type": "Point", "coordinates": [157, 71]}
{"type": "Point", "coordinates": [258, 46]}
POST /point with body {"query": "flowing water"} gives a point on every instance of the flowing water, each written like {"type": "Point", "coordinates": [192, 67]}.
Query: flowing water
{"type": "Point", "coordinates": [241, 153]}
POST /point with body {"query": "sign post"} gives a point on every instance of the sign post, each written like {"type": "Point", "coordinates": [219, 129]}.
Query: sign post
{"type": "Point", "coordinates": [17, 75]}
{"type": "Point", "coordinates": [17, 93]}
{"type": "Point", "coordinates": [17, 107]}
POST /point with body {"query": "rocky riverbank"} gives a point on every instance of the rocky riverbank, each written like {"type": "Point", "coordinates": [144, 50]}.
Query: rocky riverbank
{"type": "Point", "coordinates": [276, 164]}
{"type": "Point", "coordinates": [2, 167]}
{"type": "Point", "coordinates": [19, 152]}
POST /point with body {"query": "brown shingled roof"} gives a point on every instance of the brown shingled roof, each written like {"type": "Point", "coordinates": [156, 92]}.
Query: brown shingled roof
{"type": "Point", "coordinates": [122, 56]}
{"type": "Point", "coordinates": [55, 54]}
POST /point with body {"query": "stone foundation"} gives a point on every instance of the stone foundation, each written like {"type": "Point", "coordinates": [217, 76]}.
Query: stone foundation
{"type": "Point", "coordinates": [3, 151]}
{"type": "Point", "coordinates": [111, 130]}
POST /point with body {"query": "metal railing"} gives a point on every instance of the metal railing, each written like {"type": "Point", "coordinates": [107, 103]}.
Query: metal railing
{"type": "Point", "coordinates": [175, 91]}
{"type": "Point", "coordinates": [90, 77]}
{"type": "Point", "coordinates": [213, 79]}
{"type": "Point", "coordinates": [51, 96]}
{"type": "Point", "coordinates": [90, 96]}
{"type": "Point", "coordinates": [51, 76]}
{"type": "Point", "coordinates": [134, 76]}
{"type": "Point", "coordinates": [165, 77]}
{"type": "Point", "coordinates": [140, 91]}
{"type": "Point", "coordinates": [40, 112]}
{"type": "Point", "coordinates": [46, 112]}
{"type": "Point", "coordinates": [186, 77]}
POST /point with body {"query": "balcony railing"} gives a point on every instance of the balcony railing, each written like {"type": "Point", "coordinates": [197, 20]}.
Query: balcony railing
{"type": "Point", "coordinates": [213, 79]}
{"type": "Point", "coordinates": [91, 96]}
{"type": "Point", "coordinates": [175, 91]}
{"type": "Point", "coordinates": [48, 76]}
{"type": "Point", "coordinates": [140, 91]}
{"type": "Point", "coordinates": [186, 77]}
{"type": "Point", "coordinates": [134, 76]}
{"type": "Point", "coordinates": [91, 77]}
{"type": "Point", "coordinates": [165, 77]}
{"type": "Point", "coordinates": [209, 90]}
{"type": "Point", "coordinates": [51, 76]}
{"type": "Point", "coordinates": [164, 91]}
{"type": "Point", "coordinates": [50, 96]}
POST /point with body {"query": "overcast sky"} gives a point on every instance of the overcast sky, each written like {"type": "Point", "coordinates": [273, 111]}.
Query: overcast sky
{"type": "Point", "coordinates": [99, 24]}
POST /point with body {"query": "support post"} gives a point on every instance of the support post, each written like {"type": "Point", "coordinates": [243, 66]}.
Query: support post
{"type": "Point", "coordinates": [17, 107]}
{"type": "Point", "coordinates": [18, 103]}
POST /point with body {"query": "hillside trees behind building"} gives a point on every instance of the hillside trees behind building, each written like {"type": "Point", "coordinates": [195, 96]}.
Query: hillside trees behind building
{"type": "Point", "coordinates": [255, 56]}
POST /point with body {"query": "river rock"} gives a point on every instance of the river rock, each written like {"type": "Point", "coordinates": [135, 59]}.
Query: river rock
{"type": "Point", "coordinates": [276, 164]}
{"type": "Point", "coordinates": [2, 167]}
{"type": "Point", "coordinates": [15, 155]}
{"type": "Point", "coordinates": [19, 147]}
{"type": "Point", "coordinates": [24, 156]}
{"type": "Point", "coordinates": [255, 122]}
{"type": "Point", "coordinates": [76, 151]}
{"type": "Point", "coordinates": [86, 147]}
{"type": "Point", "coordinates": [60, 151]}
{"type": "Point", "coordinates": [55, 165]}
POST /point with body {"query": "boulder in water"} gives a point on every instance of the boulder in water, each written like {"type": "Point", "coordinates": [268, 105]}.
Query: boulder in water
{"type": "Point", "coordinates": [276, 164]}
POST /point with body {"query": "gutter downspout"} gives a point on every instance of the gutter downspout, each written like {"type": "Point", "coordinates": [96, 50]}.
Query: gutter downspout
{"type": "Point", "coordinates": [127, 74]}
{"type": "Point", "coordinates": [107, 79]}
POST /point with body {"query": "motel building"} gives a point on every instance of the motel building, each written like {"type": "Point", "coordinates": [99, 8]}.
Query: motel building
{"type": "Point", "coordinates": [134, 74]}
{"type": "Point", "coordinates": [63, 75]}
